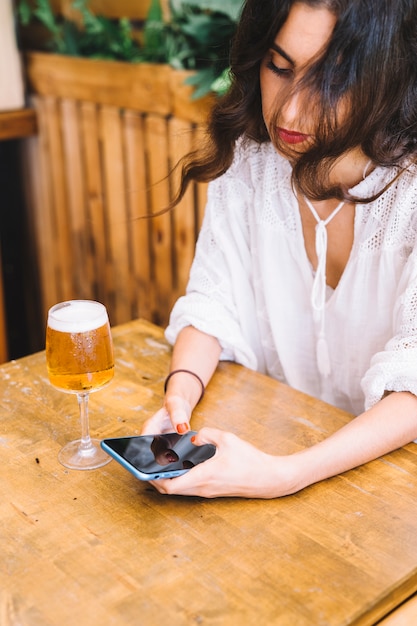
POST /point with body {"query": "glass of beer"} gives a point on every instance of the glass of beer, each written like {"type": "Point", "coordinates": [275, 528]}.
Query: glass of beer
{"type": "Point", "coordinates": [79, 358]}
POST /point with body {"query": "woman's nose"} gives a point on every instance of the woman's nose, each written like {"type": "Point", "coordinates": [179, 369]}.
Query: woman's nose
{"type": "Point", "coordinates": [290, 111]}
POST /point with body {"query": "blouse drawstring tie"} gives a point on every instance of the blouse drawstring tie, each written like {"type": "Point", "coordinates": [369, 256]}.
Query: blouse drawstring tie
{"type": "Point", "coordinates": [318, 293]}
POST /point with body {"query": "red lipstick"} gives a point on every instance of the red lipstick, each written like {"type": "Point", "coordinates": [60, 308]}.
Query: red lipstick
{"type": "Point", "coordinates": [291, 136]}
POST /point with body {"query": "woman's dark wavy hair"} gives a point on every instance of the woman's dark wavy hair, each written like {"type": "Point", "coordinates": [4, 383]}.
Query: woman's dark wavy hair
{"type": "Point", "coordinates": [370, 62]}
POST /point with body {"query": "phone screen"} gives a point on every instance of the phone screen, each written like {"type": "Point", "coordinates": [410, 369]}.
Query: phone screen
{"type": "Point", "coordinates": [150, 457]}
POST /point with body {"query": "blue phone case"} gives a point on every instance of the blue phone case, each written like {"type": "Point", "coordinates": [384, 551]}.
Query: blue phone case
{"type": "Point", "coordinates": [151, 457]}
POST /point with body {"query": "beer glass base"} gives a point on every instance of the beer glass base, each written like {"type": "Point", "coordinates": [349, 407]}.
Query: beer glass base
{"type": "Point", "coordinates": [74, 457]}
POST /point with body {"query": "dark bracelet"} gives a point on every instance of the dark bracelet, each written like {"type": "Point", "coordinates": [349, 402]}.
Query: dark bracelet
{"type": "Point", "coordinates": [186, 372]}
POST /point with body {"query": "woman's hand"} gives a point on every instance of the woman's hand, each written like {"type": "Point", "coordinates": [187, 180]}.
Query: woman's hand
{"type": "Point", "coordinates": [174, 416]}
{"type": "Point", "coordinates": [184, 389]}
{"type": "Point", "coordinates": [240, 469]}
{"type": "Point", "coordinates": [236, 469]}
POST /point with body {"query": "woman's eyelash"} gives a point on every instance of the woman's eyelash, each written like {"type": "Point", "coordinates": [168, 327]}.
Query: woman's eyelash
{"type": "Point", "coordinates": [278, 70]}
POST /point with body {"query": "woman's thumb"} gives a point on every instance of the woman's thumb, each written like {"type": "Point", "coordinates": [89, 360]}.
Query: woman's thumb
{"type": "Point", "coordinates": [208, 435]}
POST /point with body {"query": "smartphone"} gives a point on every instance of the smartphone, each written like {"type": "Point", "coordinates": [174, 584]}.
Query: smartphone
{"type": "Point", "coordinates": [149, 457]}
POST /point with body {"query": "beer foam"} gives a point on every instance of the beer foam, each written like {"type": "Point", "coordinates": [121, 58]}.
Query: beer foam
{"type": "Point", "coordinates": [77, 316]}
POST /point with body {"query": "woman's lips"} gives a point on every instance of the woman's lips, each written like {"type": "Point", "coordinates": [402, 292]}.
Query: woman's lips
{"type": "Point", "coordinates": [291, 136]}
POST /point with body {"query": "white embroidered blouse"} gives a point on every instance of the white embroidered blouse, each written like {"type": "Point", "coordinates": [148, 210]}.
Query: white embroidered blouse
{"type": "Point", "coordinates": [251, 283]}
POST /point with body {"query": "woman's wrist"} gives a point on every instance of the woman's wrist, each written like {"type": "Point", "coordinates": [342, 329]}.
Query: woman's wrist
{"type": "Point", "coordinates": [287, 475]}
{"type": "Point", "coordinates": [188, 373]}
{"type": "Point", "coordinates": [283, 475]}
{"type": "Point", "coordinates": [184, 384]}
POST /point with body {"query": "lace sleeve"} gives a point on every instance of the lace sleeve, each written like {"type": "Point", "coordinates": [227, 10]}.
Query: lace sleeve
{"type": "Point", "coordinates": [395, 368]}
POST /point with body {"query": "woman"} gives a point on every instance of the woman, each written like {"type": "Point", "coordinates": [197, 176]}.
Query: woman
{"type": "Point", "coordinates": [306, 265]}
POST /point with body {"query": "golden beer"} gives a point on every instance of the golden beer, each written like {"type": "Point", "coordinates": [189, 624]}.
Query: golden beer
{"type": "Point", "coordinates": [79, 348]}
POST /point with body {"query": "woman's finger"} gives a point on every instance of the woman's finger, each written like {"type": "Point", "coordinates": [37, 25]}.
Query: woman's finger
{"type": "Point", "coordinates": [160, 422]}
{"type": "Point", "coordinates": [179, 412]}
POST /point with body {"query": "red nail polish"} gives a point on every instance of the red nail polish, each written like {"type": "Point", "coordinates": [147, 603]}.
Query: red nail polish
{"type": "Point", "coordinates": [182, 428]}
{"type": "Point", "coordinates": [192, 439]}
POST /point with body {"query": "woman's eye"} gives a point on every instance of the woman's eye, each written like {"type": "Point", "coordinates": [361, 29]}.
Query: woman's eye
{"type": "Point", "coordinates": [279, 71]}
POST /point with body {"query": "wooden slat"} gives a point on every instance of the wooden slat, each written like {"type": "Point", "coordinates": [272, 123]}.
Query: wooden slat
{"type": "Point", "coordinates": [201, 203]}
{"type": "Point", "coordinates": [134, 86]}
{"type": "Point", "coordinates": [118, 266]}
{"type": "Point", "coordinates": [61, 258]}
{"type": "Point", "coordinates": [32, 189]}
{"type": "Point", "coordinates": [37, 191]}
{"type": "Point", "coordinates": [82, 261]}
{"type": "Point", "coordinates": [139, 225]}
{"type": "Point", "coordinates": [149, 87]}
{"type": "Point", "coordinates": [17, 124]}
{"type": "Point", "coordinates": [52, 237]}
{"type": "Point", "coordinates": [94, 199]}
{"type": "Point", "coordinates": [161, 242]}
{"type": "Point", "coordinates": [201, 188]}
{"type": "Point", "coordinates": [184, 214]}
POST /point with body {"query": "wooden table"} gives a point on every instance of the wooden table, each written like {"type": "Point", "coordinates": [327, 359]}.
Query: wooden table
{"type": "Point", "coordinates": [88, 548]}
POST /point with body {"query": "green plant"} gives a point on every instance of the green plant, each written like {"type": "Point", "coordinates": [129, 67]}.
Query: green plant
{"type": "Point", "coordinates": [98, 37]}
{"type": "Point", "coordinates": [196, 37]}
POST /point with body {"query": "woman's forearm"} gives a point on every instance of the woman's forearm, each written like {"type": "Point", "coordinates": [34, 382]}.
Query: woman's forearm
{"type": "Point", "coordinates": [197, 352]}
{"type": "Point", "coordinates": [390, 424]}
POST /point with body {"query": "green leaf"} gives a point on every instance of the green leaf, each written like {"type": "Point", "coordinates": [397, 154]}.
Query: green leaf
{"type": "Point", "coordinates": [93, 24]}
{"type": "Point", "coordinates": [24, 11]}
{"type": "Point", "coordinates": [45, 15]}
{"type": "Point", "coordinates": [232, 8]}
{"type": "Point", "coordinates": [70, 40]}
{"type": "Point", "coordinates": [155, 12]}
{"type": "Point", "coordinates": [222, 83]}
{"type": "Point", "coordinates": [202, 81]}
{"type": "Point", "coordinates": [153, 33]}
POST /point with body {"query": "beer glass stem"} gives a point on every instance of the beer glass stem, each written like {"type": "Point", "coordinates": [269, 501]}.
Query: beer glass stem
{"type": "Point", "coordinates": [85, 444]}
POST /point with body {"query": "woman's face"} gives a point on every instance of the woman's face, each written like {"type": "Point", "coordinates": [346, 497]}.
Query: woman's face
{"type": "Point", "coordinates": [303, 35]}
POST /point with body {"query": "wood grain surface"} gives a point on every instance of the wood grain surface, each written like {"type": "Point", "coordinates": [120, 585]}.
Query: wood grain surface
{"type": "Point", "coordinates": [17, 124]}
{"type": "Point", "coordinates": [109, 133]}
{"type": "Point", "coordinates": [87, 548]}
